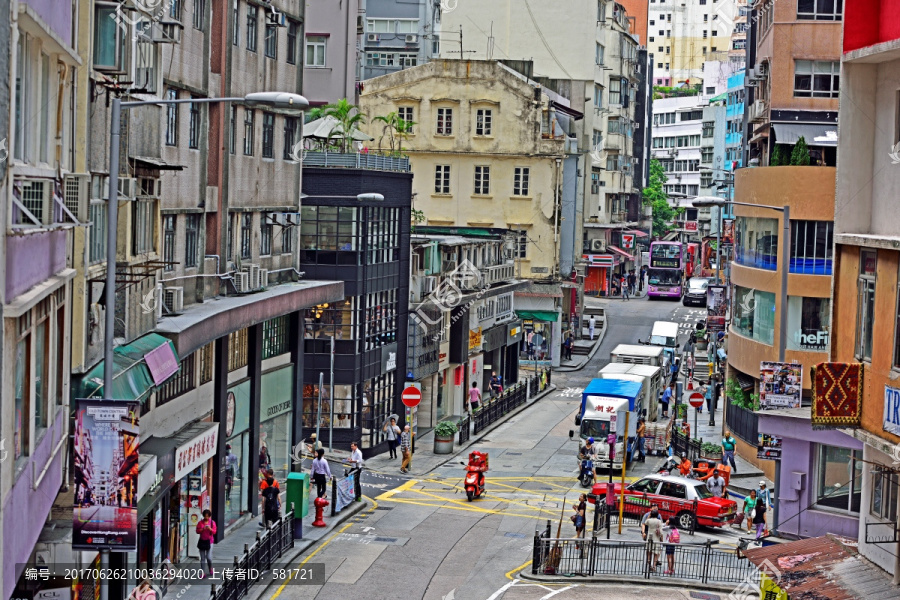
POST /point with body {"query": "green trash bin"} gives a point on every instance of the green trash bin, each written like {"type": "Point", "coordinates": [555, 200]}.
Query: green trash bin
{"type": "Point", "coordinates": [298, 494]}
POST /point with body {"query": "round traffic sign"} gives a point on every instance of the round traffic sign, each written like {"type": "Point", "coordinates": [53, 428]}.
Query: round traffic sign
{"type": "Point", "coordinates": [411, 397]}
{"type": "Point", "coordinates": [696, 399]}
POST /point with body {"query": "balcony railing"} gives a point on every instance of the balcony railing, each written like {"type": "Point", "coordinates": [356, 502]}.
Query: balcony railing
{"type": "Point", "coordinates": [360, 160]}
{"type": "Point", "coordinates": [498, 273]}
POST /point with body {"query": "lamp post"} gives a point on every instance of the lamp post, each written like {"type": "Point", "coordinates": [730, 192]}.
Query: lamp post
{"type": "Point", "coordinates": [276, 100]}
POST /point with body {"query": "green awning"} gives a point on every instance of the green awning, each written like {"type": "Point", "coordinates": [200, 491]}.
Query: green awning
{"type": "Point", "coordinates": [131, 379]}
{"type": "Point", "coordinates": [720, 98]}
{"type": "Point", "coordinates": [538, 315]}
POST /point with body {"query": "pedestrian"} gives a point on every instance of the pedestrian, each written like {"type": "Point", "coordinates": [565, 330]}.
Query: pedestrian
{"type": "Point", "coordinates": [728, 444]}
{"type": "Point", "coordinates": [405, 449]}
{"type": "Point", "coordinates": [592, 322]}
{"type": "Point", "coordinates": [393, 436]}
{"type": "Point", "coordinates": [666, 398]}
{"type": "Point", "coordinates": [206, 529]}
{"type": "Point", "coordinates": [271, 503]}
{"type": "Point", "coordinates": [567, 347]}
{"type": "Point", "coordinates": [673, 371]}
{"type": "Point", "coordinates": [474, 397]}
{"type": "Point", "coordinates": [321, 472]}
{"type": "Point", "coordinates": [709, 394]}
{"type": "Point", "coordinates": [673, 536]}
{"type": "Point", "coordinates": [579, 519]}
{"type": "Point", "coordinates": [750, 509]}
{"type": "Point", "coordinates": [641, 430]}
{"type": "Point", "coordinates": [765, 498]}
{"type": "Point", "coordinates": [716, 484]}
{"type": "Point", "coordinates": [623, 282]}
{"type": "Point", "coordinates": [356, 458]}
{"type": "Point", "coordinates": [496, 384]}
{"type": "Point", "coordinates": [632, 279]}
{"type": "Point", "coordinates": [653, 535]}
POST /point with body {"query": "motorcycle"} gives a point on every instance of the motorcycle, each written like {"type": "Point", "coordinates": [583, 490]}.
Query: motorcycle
{"type": "Point", "coordinates": [670, 466]}
{"type": "Point", "coordinates": [474, 479]}
{"type": "Point", "coordinates": [586, 472]}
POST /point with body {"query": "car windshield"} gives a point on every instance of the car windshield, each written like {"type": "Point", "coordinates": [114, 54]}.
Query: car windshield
{"type": "Point", "coordinates": [660, 340]}
{"type": "Point", "coordinates": [594, 428]}
{"type": "Point", "coordinates": [698, 286]}
{"type": "Point", "coordinates": [702, 492]}
{"type": "Point", "coordinates": [664, 277]}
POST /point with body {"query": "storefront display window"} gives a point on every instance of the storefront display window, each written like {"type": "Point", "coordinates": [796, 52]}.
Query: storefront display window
{"type": "Point", "coordinates": [838, 478]}
{"type": "Point", "coordinates": [330, 234]}
{"type": "Point", "coordinates": [756, 242]}
{"type": "Point", "coordinates": [237, 424]}
{"type": "Point", "coordinates": [336, 319]}
{"type": "Point", "coordinates": [377, 405]}
{"type": "Point", "coordinates": [754, 314]}
{"type": "Point", "coordinates": [808, 323]}
{"type": "Point", "coordinates": [275, 419]}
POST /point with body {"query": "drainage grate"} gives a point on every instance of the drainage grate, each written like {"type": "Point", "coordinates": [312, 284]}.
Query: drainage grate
{"type": "Point", "coordinates": [513, 454]}
{"type": "Point", "coordinates": [705, 596]}
{"type": "Point", "coordinates": [515, 535]}
{"type": "Point", "coordinates": [379, 507]}
{"type": "Point", "coordinates": [386, 540]}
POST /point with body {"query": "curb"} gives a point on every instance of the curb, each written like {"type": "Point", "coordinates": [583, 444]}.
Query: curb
{"type": "Point", "coordinates": [618, 580]}
{"type": "Point", "coordinates": [590, 355]}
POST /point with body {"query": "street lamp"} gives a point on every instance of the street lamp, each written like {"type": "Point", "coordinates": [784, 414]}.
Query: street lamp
{"type": "Point", "coordinates": [277, 100]}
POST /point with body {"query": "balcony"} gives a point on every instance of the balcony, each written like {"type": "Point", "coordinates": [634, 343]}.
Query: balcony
{"type": "Point", "coordinates": [360, 160]}
{"type": "Point", "coordinates": [498, 273]}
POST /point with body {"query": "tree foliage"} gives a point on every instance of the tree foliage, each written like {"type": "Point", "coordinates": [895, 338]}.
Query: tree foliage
{"type": "Point", "coordinates": [348, 121]}
{"type": "Point", "coordinates": [800, 154]}
{"type": "Point", "coordinates": [779, 156]}
{"type": "Point", "coordinates": [396, 129]}
{"type": "Point", "coordinates": [655, 198]}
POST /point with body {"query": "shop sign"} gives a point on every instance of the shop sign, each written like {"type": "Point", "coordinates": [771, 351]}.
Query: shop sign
{"type": "Point", "coordinates": [389, 358]}
{"type": "Point", "coordinates": [891, 410]}
{"type": "Point", "coordinates": [474, 338]}
{"type": "Point", "coordinates": [197, 451]}
{"type": "Point", "coordinates": [768, 447]}
{"type": "Point", "coordinates": [599, 260]}
{"type": "Point", "coordinates": [444, 356]}
{"type": "Point", "coordinates": [162, 363]}
{"type": "Point", "coordinates": [817, 340]}
{"type": "Point", "coordinates": [513, 332]}
{"type": "Point", "coordinates": [691, 226]}
{"type": "Point", "coordinates": [627, 241]}
{"type": "Point", "coordinates": [781, 384]}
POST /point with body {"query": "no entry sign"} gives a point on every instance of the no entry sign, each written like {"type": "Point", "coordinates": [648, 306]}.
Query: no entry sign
{"type": "Point", "coordinates": [411, 397]}
{"type": "Point", "coordinates": [695, 399]}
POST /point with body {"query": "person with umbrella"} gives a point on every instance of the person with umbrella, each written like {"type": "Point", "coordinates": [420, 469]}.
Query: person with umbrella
{"type": "Point", "coordinates": [393, 434]}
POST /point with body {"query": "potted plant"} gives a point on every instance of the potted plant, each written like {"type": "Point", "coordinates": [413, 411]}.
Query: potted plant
{"type": "Point", "coordinates": [711, 451]}
{"type": "Point", "coordinates": [443, 437]}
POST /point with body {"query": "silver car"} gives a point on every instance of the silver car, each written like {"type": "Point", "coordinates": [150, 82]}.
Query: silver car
{"type": "Point", "coordinates": [696, 291]}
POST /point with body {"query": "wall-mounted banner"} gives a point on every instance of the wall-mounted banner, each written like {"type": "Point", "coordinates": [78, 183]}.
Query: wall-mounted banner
{"type": "Point", "coordinates": [837, 396]}
{"type": "Point", "coordinates": [716, 303]}
{"type": "Point", "coordinates": [780, 384]}
{"type": "Point", "coordinates": [768, 447]}
{"type": "Point", "coordinates": [107, 436]}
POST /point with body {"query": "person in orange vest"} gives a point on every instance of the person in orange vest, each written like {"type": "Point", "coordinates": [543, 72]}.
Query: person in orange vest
{"type": "Point", "coordinates": [685, 468]}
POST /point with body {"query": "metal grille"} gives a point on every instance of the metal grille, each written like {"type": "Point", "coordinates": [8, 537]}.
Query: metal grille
{"type": "Point", "coordinates": [237, 349]}
{"type": "Point", "coordinates": [275, 337]}
{"type": "Point", "coordinates": [206, 363]}
{"type": "Point", "coordinates": [180, 383]}
{"type": "Point", "coordinates": [98, 232]}
{"type": "Point", "coordinates": [34, 199]}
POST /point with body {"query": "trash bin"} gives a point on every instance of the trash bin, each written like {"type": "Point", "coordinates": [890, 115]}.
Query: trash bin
{"type": "Point", "coordinates": [298, 495]}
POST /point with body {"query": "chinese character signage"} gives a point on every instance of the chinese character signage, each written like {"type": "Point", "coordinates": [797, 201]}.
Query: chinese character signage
{"type": "Point", "coordinates": [691, 226]}
{"type": "Point", "coordinates": [780, 385]}
{"type": "Point", "coordinates": [892, 410]}
{"type": "Point", "coordinates": [768, 447]}
{"type": "Point", "coordinates": [106, 443]}
{"type": "Point", "coordinates": [195, 452]}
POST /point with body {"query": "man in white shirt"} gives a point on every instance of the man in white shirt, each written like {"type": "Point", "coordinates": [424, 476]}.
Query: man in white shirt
{"type": "Point", "coordinates": [592, 322]}
{"type": "Point", "coordinates": [356, 457]}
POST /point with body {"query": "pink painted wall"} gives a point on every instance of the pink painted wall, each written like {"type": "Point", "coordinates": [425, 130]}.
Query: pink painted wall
{"type": "Point", "coordinates": [33, 258]}
{"type": "Point", "coordinates": [869, 22]}
{"type": "Point", "coordinates": [56, 14]}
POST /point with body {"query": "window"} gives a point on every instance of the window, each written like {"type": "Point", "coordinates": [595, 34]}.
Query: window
{"type": "Point", "coordinates": [171, 118]}
{"type": "Point", "coordinates": [522, 245]}
{"type": "Point", "coordinates": [838, 478]}
{"type": "Point", "coordinates": [520, 181]}
{"type": "Point", "coordinates": [287, 240]}
{"type": "Point", "coordinates": [598, 96]}
{"type": "Point", "coordinates": [808, 323]}
{"type": "Point", "coordinates": [236, 24]}
{"type": "Point", "coordinates": [98, 233]}
{"type": "Point", "coordinates": [442, 179]}
{"type": "Point", "coordinates": [865, 307]}
{"type": "Point", "coordinates": [199, 13]}
{"type": "Point", "coordinates": [41, 372]}
{"type": "Point", "coordinates": [754, 314]}
{"type": "Point", "coordinates": [615, 91]}
{"type": "Point", "coordinates": [445, 121]}
{"type": "Point", "coordinates": [600, 54]}
{"type": "Point", "coordinates": [315, 50]}
{"type": "Point", "coordinates": [252, 24]}
{"type": "Point", "coordinates": [668, 49]}
{"type": "Point", "coordinates": [145, 67]}
{"type": "Point", "coordinates": [268, 138]}
{"type": "Point", "coordinates": [110, 36]}
{"type": "Point", "coordinates": [233, 130]}
{"type": "Point", "coordinates": [175, 9]}
{"type": "Point", "coordinates": [715, 33]}
{"type": "Point", "coordinates": [483, 121]}
{"type": "Point", "coordinates": [756, 242]}
{"type": "Point", "coordinates": [614, 126]}
{"type": "Point", "coordinates": [406, 114]}
{"type": "Point", "coordinates": [293, 30]}
{"type": "Point", "coordinates": [817, 79]}
{"type": "Point", "coordinates": [271, 48]}
{"type": "Point", "coordinates": [180, 383]}
{"type": "Point", "coordinates": [265, 235]}
{"type": "Point", "coordinates": [397, 26]}
{"type": "Point", "coordinates": [276, 334]}
{"type": "Point", "coordinates": [706, 155]}
{"type": "Point", "coordinates": [23, 389]}
{"type": "Point", "coordinates": [336, 231]}
{"type": "Point", "coordinates": [885, 488]}
{"type": "Point", "coordinates": [246, 234]}
{"type": "Point", "coordinates": [194, 129]}
{"type": "Point", "coordinates": [237, 349]}
{"type": "Point", "coordinates": [290, 133]}
{"type": "Point", "coordinates": [248, 132]}
{"type": "Point", "coordinates": [673, 490]}
{"type": "Point", "coordinates": [811, 247]}
{"type": "Point", "coordinates": [407, 59]}
{"type": "Point", "coordinates": [169, 242]}
{"type": "Point", "coordinates": [482, 180]}
{"type": "Point", "coordinates": [691, 115]}
{"type": "Point", "coordinates": [191, 240]}
{"type": "Point", "coordinates": [142, 226]}
{"type": "Point", "coordinates": [820, 10]}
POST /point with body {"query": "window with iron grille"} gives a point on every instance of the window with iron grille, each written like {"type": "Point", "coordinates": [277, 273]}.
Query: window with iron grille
{"type": "Point", "coordinates": [293, 31]}
{"type": "Point", "coordinates": [191, 240]}
{"type": "Point", "coordinates": [271, 41]}
{"type": "Point", "coordinates": [442, 179]}
{"type": "Point", "coordinates": [520, 181]}
{"type": "Point", "coordinates": [175, 9]}
{"type": "Point", "coordinates": [268, 140]}
{"type": "Point", "coordinates": [169, 242]}
{"type": "Point", "coordinates": [708, 129]}
{"type": "Point", "coordinates": [483, 117]}
{"type": "Point", "coordinates": [275, 337]}
{"type": "Point", "coordinates": [445, 121]}
{"type": "Point", "coordinates": [142, 226]}
{"type": "Point", "coordinates": [265, 235]}
{"type": "Point", "coordinates": [246, 234]}
{"type": "Point", "coordinates": [236, 23]}
{"type": "Point", "coordinates": [180, 383]}
{"type": "Point", "coordinates": [199, 13]}
{"type": "Point", "coordinates": [237, 349]}
{"type": "Point", "coordinates": [248, 132]}
{"type": "Point", "coordinates": [290, 133]}
{"type": "Point", "coordinates": [194, 125]}
{"type": "Point", "coordinates": [482, 180]}
{"type": "Point", "coordinates": [206, 353]}
{"type": "Point", "coordinates": [251, 27]}
{"type": "Point", "coordinates": [171, 118]}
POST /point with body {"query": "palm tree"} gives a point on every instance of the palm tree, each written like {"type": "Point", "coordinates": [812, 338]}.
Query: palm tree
{"type": "Point", "coordinates": [394, 124]}
{"type": "Point", "coordinates": [349, 119]}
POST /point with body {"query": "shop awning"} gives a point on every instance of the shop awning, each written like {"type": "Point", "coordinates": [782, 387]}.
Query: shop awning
{"type": "Point", "coordinates": [132, 379]}
{"type": "Point", "coordinates": [538, 315]}
{"type": "Point", "coordinates": [815, 134]}
{"type": "Point", "coordinates": [618, 250]}
{"type": "Point", "coordinates": [637, 232]}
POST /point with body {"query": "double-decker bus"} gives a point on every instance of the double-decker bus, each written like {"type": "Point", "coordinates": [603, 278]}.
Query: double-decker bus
{"type": "Point", "coordinates": [666, 270]}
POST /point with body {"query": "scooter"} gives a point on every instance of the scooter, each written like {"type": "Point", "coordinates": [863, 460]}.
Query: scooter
{"type": "Point", "coordinates": [586, 472]}
{"type": "Point", "coordinates": [474, 479]}
{"type": "Point", "coordinates": [670, 466]}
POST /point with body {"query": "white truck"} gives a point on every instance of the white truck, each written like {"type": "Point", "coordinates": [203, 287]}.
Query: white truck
{"type": "Point", "coordinates": [651, 377]}
{"type": "Point", "coordinates": [604, 406]}
{"type": "Point", "coordinates": [639, 355]}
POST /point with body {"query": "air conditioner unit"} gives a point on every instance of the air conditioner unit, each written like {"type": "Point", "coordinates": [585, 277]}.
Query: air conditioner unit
{"type": "Point", "coordinates": [76, 192]}
{"type": "Point", "coordinates": [173, 298]}
{"type": "Point", "coordinates": [166, 32]}
{"type": "Point", "coordinates": [372, 37]}
{"type": "Point", "coordinates": [252, 276]}
{"type": "Point", "coordinates": [263, 278]}
{"type": "Point", "coordinates": [598, 245]}
{"type": "Point", "coordinates": [240, 282]}
{"type": "Point", "coordinates": [412, 38]}
{"type": "Point", "coordinates": [127, 187]}
{"type": "Point", "coordinates": [429, 285]}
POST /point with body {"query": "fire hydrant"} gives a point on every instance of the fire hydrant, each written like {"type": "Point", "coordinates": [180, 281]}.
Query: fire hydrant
{"type": "Point", "coordinates": [320, 504]}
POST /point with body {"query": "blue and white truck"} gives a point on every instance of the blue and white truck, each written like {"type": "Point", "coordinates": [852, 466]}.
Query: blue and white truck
{"type": "Point", "coordinates": [604, 406]}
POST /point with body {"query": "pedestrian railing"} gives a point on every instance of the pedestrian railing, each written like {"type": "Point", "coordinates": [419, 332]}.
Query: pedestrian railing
{"type": "Point", "coordinates": [592, 557]}
{"type": "Point", "coordinates": [539, 382]}
{"type": "Point", "coordinates": [269, 546]}
{"type": "Point", "coordinates": [681, 443]}
{"type": "Point", "coordinates": [496, 408]}
{"type": "Point", "coordinates": [633, 510]}
{"type": "Point", "coordinates": [345, 490]}
{"type": "Point", "coordinates": [464, 430]}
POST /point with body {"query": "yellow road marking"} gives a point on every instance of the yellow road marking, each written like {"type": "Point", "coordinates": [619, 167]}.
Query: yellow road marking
{"type": "Point", "coordinates": [510, 574]}
{"type": "Point", "coordinates": [467, 508]}
{"type": "Point", "coordinates": [349, 524]}
{"type": "Point", "coordinates": [503, 500]}
{"type": "Point", "coordinates": [387, 495]}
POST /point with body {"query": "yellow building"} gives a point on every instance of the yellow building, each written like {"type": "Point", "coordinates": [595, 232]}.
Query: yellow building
{"type": "Point", "coordinates": [486, 150]}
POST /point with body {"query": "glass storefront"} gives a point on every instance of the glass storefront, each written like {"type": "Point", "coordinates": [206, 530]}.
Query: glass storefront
{"type": "Point", "coordinates": [237, 436]}
{"type": "Point", "coordinates": [754, 314]}
{"type": "Point", "coordinates": [756, 242]}
{"type": "Point", "coordinates": [377, 405]}
{"type": "Point", "coordinates": [275, 414]}
{"type": "Point", "coordinates": [808, 323]}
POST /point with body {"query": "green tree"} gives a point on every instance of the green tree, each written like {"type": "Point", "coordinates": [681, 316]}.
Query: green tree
{"type": "Point", "coordinates": [349, 119]}
{"type": "Point", "coordinates": [779, 156]}
{"type": "Point", "coordinates": [655, 197]}
{"type": "Point", "coordinates": [396, 128]}
{"type": "Point", "coordinates": [800, 155]}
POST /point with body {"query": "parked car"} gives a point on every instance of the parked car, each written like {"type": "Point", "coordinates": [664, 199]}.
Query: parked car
{"type": "Point", "coordinates": [675, 497]}
{"type": "Point", "coordinates": [696, 291]}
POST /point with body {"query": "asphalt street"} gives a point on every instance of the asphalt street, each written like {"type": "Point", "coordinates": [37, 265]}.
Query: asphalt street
{"type": "Point", "coordinates": [421, 538]}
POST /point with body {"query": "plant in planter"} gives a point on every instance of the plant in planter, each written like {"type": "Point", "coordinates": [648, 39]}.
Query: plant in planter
{"type": "Point", "coordinates": [710, 450]}
{"type": "Point", "coordinates": [443, 437]}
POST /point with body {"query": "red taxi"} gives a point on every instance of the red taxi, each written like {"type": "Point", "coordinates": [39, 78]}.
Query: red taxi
{"type": "Point", "coordinates": [676, 497]}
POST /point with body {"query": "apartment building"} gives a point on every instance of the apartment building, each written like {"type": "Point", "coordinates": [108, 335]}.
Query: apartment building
{"type": "Point", "coordinates": [398, 34]}
{"type": "Point", "coordinates": [331, 32]}
{"type": "Point", "coordinates": [794, 74]}
{"type": "Point", "coordinates": [677, 133]}
{"type": "Point", "coordinates": [866, 267]}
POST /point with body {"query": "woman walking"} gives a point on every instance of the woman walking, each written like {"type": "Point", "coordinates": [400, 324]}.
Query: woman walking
{"type": "Point", "coordinates": [474, 397]}
{"type": "Point", "coordinates": [393, 436]}
{"type": "Point", "coordinates": [750, 509]}
{"type": "Point", "coordinates": [206, 529]}
{"type": "Point", "coordinates": [759, 516]}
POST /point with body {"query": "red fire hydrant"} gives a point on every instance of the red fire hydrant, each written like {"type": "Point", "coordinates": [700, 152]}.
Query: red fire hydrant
{"type": "Point", "coordinates": [320, 504]}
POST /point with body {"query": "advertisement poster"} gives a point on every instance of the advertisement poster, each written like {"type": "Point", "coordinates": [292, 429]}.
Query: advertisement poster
{"type": "Point", "coordinates": [780, 385]}
{"type": "Point", "coordinates": [716, 303]}
{"type": "Point", "coordinates": [106, 475]}
{"type": "Point", "coordinates": [727, 231]}
{"type": "Point", "coordinates": [768, 447]}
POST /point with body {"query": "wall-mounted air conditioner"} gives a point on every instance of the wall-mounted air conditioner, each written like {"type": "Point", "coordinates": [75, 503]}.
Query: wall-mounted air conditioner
{"type": "Point", "coordinates": [372, 37]}
{"type": "Point", "coordinates": [412, 38]}
{"type": "Point", "coordinates": [240, 282]}
{"type": "Point", "coordinates": [173, 298]}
